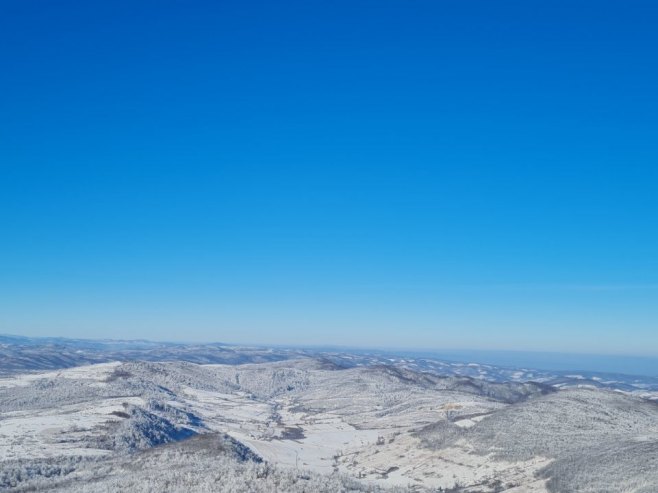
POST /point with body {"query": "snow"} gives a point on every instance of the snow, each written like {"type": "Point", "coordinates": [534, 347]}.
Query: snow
{"type": "Point", "coordinates": [59, 431]}
{"type": "Point", "coordinates": [369, 423]}
{"type": "Point", "coordinates": [94, 373]}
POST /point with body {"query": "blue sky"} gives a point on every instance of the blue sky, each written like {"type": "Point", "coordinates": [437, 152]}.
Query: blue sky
{"type": "Point", "coordinates": [417, 174]}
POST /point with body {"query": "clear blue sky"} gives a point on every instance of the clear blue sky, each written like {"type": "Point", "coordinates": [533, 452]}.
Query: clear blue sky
{"type": "Point", "coordinates": [427, 174]}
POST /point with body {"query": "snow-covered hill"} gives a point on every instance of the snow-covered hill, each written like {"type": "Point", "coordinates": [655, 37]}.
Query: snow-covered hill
{"type": "Point", "coordinates": [26, 354]}
{"type": "Point", "coordinates": [316, 424]}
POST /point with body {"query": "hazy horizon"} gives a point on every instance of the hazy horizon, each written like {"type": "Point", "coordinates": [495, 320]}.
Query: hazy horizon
{"type": "Point", "coordinates": [629, 364]}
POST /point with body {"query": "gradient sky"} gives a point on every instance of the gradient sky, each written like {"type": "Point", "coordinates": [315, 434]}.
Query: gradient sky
{"type": "Point", "coordinates": [418, 174]}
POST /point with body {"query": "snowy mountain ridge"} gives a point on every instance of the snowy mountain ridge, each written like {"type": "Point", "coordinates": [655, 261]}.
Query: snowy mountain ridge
{"type": "Point", "coordinates": [330, 422]}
